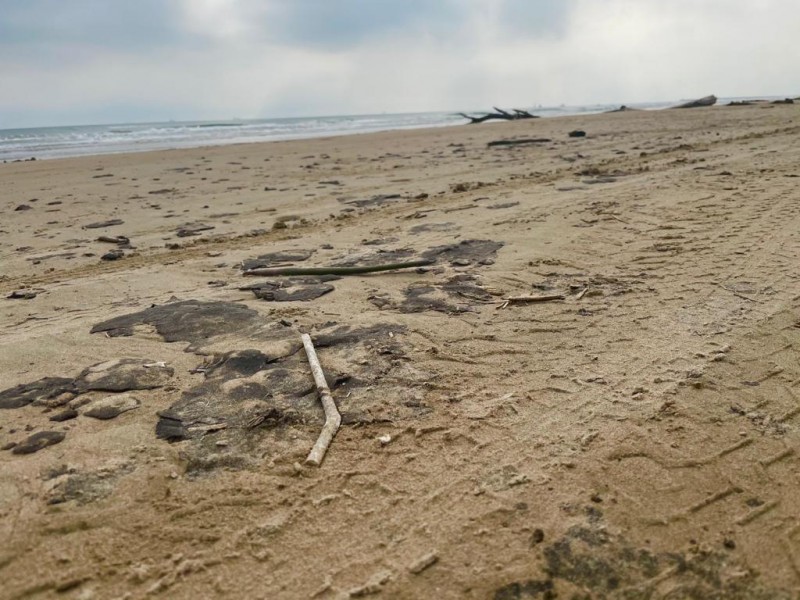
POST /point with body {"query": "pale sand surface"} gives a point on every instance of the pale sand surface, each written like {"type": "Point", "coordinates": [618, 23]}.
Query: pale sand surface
{"type": "Point", "coordinates": [636, 441]}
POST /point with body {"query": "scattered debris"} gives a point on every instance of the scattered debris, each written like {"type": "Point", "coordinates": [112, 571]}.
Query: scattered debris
{"type": "Point", "coordinates": [501, 205]}
{"type": "Point", "coordinates": [188, 320]}
{"type": "Point", "coordinates": [276, 258]}
{"type": "Point", "coordinates": [111, 407]}
{"type": "Point", "coordinates": [373, 586]}
{"type": "Point", "coordinates": [101, 224]}
{"type": "Point", "coordinates": [22, 295]}
{"type": "Point", "coordinates": [38, 441]}
{"type": "Point", "coordinates": [124, 374]}
{"type": "Point", "coordinates": [115, 254]}
{"type": "Point", "coordinates": [120, 240]}
{"type": "Point", "coordinates": [37, 392]}
{"type": "Point", "coordinates": [420, 297]}
{"type": "Point", "coordinates": [518, 142]}
{"type": "Point", "coordinates": [119, 375]}
{"type": "Point", "coordinates": [378, 200]}
{"type": "Point", "coordinates": [290, 290]}
{"type": "Point", "coordinates": [474, 251]}
{"type": "Point", "coordinates": [419, 565]}
{"type": "Point", "coordinates": [65, 415]}
{"type": "Point", "coordinates": [193, 229]}
{"type": "Point", "coordinates": [85, 487]}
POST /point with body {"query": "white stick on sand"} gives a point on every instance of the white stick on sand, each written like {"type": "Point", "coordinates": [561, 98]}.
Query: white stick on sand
{"type": "Point", "coordinates": [332, 417]}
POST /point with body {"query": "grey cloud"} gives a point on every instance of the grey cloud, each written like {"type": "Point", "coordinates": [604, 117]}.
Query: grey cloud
{"type": "Point", "coordinates": [535, 18]}
{"type": "Point", "coordinates": [102, 60]}
{"type": "Point", "coordinates": [348, 23]}
{"type": "Point", "coordinates": [32, 24]}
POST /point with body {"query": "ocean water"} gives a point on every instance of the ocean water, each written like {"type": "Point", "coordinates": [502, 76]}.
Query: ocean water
{"type": "Point", "coordinates": [57, 142]}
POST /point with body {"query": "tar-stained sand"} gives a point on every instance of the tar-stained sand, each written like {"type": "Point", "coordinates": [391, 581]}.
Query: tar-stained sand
{"type": "Point", "coordinates": [638, 439]}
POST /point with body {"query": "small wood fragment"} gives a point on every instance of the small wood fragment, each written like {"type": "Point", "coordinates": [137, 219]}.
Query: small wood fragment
{"type": "Point", "coordinates": [530, 299]}
{"type": "Point", "coordinates": [120, 239]}
{"type": "Point", "coordinates": [419, 565]}
{"type": "Point", "coordinates": [373, 586]}
{"type": "Point", "coordinates": [22, 294]}
{"type": "Point", "coordinates": [332, 417]}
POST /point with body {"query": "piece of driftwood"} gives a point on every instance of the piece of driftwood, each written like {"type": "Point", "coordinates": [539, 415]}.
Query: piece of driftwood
{"type": "Point", "coordinates": [120, 240]}
{"type": "Point", "coordinates": [622, 108]}
{"type": "Point", "coordinates": [338, 270]}
{"type": "Point", "coordinates": [760, 102]}
{"type": "Point", "coordinates": [102, 224]}
{"type": "Point", "coordinates": [530, 299]}
{"type": "Point", "coordinates": [519, 142]}
{"type": "Point", "coordinates": [332, 417]}
{"type": "Point", "coordinates": [705, 101]}
{"type": "Point", "coordinates": [500, 115]}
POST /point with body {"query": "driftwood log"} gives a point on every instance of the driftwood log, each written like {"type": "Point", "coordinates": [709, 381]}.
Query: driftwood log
{"type": "Point", "coordinates": [759, 102]}
{"type": "Point", "coordinates": [519, 142]}
{"type": "Point", "coordinates": [705, 101]}
{"type": "Point", "coordinates": [291, 271]}
{"type": "Point", "coordinates": [500, 115]}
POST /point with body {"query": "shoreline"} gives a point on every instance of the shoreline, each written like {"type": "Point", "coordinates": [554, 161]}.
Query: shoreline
{"type": "Point", "coordinates": [59, 145]}
{"type": "Point", "coordinates": [440, 119]}
{"type": "Point", "coordinates": [237, 142]}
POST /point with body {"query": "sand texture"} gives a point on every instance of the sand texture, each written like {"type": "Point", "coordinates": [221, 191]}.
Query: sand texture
{"type": "Point", "coordinates": [633, 435]}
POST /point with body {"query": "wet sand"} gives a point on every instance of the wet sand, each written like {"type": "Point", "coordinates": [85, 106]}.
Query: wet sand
{"type": "Point", "coordinates": [637, 438]}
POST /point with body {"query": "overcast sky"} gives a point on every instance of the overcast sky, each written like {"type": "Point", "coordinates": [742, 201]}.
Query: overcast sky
{"type": "Point", "coordinates": [103, 61]}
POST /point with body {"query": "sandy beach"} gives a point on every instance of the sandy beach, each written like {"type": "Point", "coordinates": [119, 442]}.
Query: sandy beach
{"type": "Point", "coordinates": [633, 435]}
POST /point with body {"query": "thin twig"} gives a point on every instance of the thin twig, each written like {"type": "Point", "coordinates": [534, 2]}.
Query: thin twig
{"type": "Point", "coordinates": [530, 299]}
{"type": "Point", "coordinates": [332, 417]}
{"type": "Point", "coordinates": [338, 270]}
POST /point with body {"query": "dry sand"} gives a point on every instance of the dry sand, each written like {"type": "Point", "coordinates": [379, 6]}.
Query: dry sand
{"type": "Point", "coordinates": [638, 439]}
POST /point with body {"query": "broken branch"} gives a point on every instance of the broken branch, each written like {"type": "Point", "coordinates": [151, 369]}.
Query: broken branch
{"type": "Point", "coordinates": [338, 270]}
{"type": "Point", "coordinates": [332, 417]}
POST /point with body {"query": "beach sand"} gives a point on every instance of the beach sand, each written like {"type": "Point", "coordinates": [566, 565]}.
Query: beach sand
{"type": "Point", "coordinates": [636, 439]}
